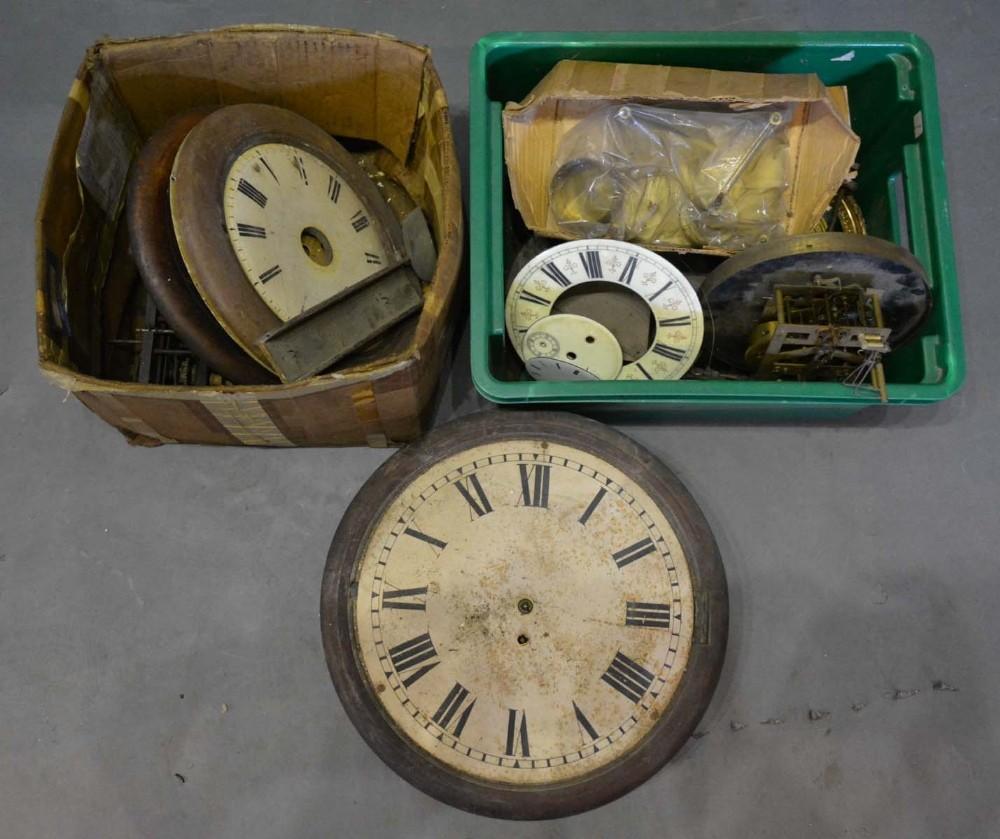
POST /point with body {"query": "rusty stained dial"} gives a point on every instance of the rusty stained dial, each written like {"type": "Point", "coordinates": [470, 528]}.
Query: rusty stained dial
{"type": "Point", "coordinates": [524, 614]}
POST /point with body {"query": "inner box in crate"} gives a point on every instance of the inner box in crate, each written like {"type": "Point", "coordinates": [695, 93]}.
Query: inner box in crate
{"type": "Point", "coordinates": [371, 91]}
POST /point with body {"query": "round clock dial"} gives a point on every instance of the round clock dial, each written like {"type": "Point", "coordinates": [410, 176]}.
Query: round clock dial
{"type": "Point", "coordinates": [272, 217]}
{"type": "Point", "coordinates": [300, 232]}
{"type": "Point", "coordinates": [670, 297]}
{"type": "Point", "coordinates": [566, 347]}
{"type": "Point", "coordinates": [527, 626]}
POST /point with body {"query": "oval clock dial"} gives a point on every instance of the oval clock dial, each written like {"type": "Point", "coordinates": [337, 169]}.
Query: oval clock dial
{"type": "Point", "coordinates": [273, 217]}
{"type": "Point", "coordinates": [670, 297]}
{"type": "Point", "coordinates": [523, 613]}
{"type": "Point", "coordinates": [300, 232]}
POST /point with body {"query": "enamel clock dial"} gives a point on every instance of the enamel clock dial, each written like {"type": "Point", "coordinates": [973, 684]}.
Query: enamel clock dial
{"type": "Point", "coordinates": [524, 615]}
{"type": "Point", "coordinates": [295, 226]}
{"type": "Point", "coordinates": [273, 217]}
{"type": "Point", "coordinates": [671, 299]}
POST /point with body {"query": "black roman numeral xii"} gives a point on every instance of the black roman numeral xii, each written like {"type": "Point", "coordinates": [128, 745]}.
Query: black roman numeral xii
{"type": "Point", "coordinates": [534, 485]}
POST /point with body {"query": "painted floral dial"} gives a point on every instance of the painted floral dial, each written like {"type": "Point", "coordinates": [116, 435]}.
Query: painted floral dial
{"type": "Point", "coordinates": [300, 232]}
{"type": "Point", "coordinates": [673, 303]}
{"type": "Point", "coordinates": [522, 612]}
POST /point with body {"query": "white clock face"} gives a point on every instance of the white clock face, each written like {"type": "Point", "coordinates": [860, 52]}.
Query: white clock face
{"type": "Point", "coordinates": [300, 232]}
{"type": "Point", "coordinates": [524, 612]}
{"type": "Point", "coordinates": [672, 300]}
{"type": "Point", "coordinates": [562, 348]}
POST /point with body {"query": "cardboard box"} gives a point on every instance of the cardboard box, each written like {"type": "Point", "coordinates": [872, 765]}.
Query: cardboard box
{"type": "Point", "coordinates": [822, 146]}
{"type": "Point", "coordinates": [369, 87]}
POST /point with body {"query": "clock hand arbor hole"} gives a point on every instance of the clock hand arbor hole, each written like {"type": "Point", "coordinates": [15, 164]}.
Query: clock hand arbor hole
{"type": "Point", "coordinates": [316, 246]}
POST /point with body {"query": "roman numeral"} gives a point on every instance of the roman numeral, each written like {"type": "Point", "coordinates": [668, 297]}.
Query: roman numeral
{"type": "Point", "coordinates": [584, 723]}
{"type": "Point", "coordinates": [552, 271]}
{"type": "Point", "coordinates": [628, 271]}
{"type": "Point", "coordinates": [423, 537]}
{"type": "Point", "coordinates": [647, 614]}
{"type": "Point", "coordinates": [517, 734]}
{"type": "Point", "coordinates": [631, 680]}
{"type": "Point", "coordinates": [300, 167]}
{"type": "Point", "coordinates": [269, 169]}
{"type": "Point", "coordinates": [410, 654]}
{"type": "Point", "coordinates": [397, 599]}
{"type": "Point", "coordinates": [333, 189]}
{"type": "Point", "coordinates": [643, 370]}
{"type": "Point", "coordinates": [470, 487]}
{"type": "Point", "coordinates": [662, 289]}
{"type": "Point", "coordinates": [593, 505]}
{"type": "Point", "coordinates": [359, 221]}
{"type": "Point", "coordinates": [373, 258]}
{"type": "Point", "coordinates": [539, 496]}
{"type": "Point", "coordinates": [667, 351]}
{"type": "Point", "coordinates": [684, 320]}
{"type": "Point", "coordinates": [592, 264]}
{"type": "Point", "coordinates": [454, 703]}
{"type": "Point", "coordinates": [633, 552]}
{"type": "Point", "coordinates": [251, 192]}
{"type": "Point", "coordinates": [251, 230]}
{"type": "Point", "coordinates": [528, 297]}
{"type": "Point", "coordinates": [270, 273]}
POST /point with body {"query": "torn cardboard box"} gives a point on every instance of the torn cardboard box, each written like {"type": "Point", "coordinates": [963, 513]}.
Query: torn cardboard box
{"type": "Point", "coordinates": [369, 87]}
{"type": "Point", "coordinates": [821, 145]}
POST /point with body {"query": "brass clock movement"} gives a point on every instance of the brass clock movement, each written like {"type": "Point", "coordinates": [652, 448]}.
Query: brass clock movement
{"type": "Point", "coordinates": [257, 220]}
{"type": "Point", "coordinates": [524, 615]}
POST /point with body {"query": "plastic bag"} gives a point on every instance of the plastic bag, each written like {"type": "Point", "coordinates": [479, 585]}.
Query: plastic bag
{"type": "Point", "coordinates": [665, 176]}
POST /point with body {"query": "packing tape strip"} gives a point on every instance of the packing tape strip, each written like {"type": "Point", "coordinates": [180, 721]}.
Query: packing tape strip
{"type": "Point", "coordinates": [246, 420]}
{"type": "Point", "coordinates": [366, 410]}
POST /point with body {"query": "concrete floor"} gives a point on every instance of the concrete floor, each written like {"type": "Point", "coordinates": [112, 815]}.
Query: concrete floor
{"type": "Point", "coordinates": [145, 592]}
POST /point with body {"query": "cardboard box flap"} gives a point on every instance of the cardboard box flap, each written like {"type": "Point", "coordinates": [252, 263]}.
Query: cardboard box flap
{"type": "Point", "coordinates": [822, 145]}
{"type": "Point", "coordinates": [590, 80]}
{"type": "Point", "coordinates": [352, 85]}
{"type": "Point", "coordinates": [126, 90]}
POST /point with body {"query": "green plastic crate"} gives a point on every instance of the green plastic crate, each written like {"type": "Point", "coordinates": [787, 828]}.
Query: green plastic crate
{"type": "Point", "coordinates": [901, 188]}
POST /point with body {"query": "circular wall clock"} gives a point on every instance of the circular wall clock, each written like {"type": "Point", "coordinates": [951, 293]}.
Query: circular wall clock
{"type": "Point", "coordinates": [524, 614]}
{"type": "Point", "coordinates": [273, 217]}
{"type": "Point", "coordinates": [670, 297]}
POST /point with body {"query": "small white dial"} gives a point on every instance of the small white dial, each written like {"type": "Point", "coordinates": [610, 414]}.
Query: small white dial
{"type": "Point", "coordinates": [672, 300]}
{"type": "Point", "coordinates": [562, 348]}
{"type": "Point", "coordinates": [300, 232]}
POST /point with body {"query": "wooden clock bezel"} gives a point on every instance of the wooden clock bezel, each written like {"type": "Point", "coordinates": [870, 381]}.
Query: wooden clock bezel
{"type": "Point", "coordinates": [163, 272]}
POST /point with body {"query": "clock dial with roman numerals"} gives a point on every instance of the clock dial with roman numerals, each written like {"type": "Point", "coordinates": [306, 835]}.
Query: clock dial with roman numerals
{"type": "Point", "coordinates": [299, 230]}
{"type": "Point", "coordinates": [525, 615]}
{"type": "Point", "coordinates": [273, 218]}
{"type": "Point", "coordinates": [676, 314]}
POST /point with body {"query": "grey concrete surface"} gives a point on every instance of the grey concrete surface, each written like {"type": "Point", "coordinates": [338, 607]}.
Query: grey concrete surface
{"type": "Point", "coordinates": [161, 673]}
